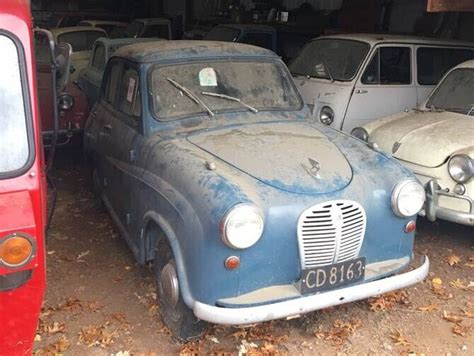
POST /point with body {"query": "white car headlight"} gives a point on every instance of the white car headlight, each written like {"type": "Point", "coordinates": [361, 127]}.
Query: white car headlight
{"type": "Point", "coordinates": [65, 101]}
{"type": "Point", "coordinates": [326, 115]}
{"type": "Point", "coordinates": [461, 168]}
{"type": "Point", "coordinates": [408, 198]}
{"type": "Point", "coordinates": [242, 226]}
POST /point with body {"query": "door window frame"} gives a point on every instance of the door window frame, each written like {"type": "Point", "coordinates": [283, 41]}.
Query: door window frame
{"type": "Point", "coordinates": [134, 122]}
{"type": "Point", "coordinates": [374, 52]}
{"type": "Point", "coordinates": [27, 106]}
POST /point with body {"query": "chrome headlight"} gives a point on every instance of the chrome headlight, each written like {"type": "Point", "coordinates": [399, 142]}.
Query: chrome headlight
{"type": "Point", "coordinates": [461, 168]}
{"type": "Point", "coordinates": [326, 115]}
{"type": "Point", "coordinates": [408, 198]}
{"type": "Point", "coordinates": [65, 101]}
{"type": "Point", "coordinates": [360, 133]}
{"type": "Point", "coordinates": [242, 226]}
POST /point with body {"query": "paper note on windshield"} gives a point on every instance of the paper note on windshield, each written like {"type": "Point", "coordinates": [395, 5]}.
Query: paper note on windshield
{"type": "Point", "coordinates": [208, 77]}
{"type": "Point", "coordinates": [131, 89]}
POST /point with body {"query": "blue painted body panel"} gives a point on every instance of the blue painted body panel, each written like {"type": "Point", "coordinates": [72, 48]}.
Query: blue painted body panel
{"type": "Point", "coordinates": [169, 183]}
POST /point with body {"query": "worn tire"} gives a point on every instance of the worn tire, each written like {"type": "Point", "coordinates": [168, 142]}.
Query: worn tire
{"type": "Point", "coordinates": [178, 318]}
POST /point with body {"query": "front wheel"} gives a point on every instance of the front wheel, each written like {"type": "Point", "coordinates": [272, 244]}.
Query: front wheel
{"type": "Point", "coordinates": [177, 317]}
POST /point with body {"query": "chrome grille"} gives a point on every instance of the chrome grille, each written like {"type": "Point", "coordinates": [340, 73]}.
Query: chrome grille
{"type": "Point", "coordinates": [331, 232]}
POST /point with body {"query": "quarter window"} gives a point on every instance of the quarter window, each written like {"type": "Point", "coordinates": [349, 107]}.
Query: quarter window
{"type": "Point", "coordinates": [433, 63]}
{"type": "Point", "coordinates": [129, 99]}
{"type": "Point", "coordinates": [389, 66]}
{"type": "Point", "coordinates": [98, 60]}
{"type": "Point", "coordinates": [14, 148]}
{"type": "Point", "coordinates": [113, 81]}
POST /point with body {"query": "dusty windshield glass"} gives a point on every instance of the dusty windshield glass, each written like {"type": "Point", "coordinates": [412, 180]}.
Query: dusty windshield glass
{"type": "Point", "coordinates": [80, 40]}
{"type": "Point", "coordinates": [223, 33]}
{"type": "Point", "coordinates": [260, 85]}
{"type": "Point", "coordinates": [334, 59]}
{"type": "Point", "coordinates": [455, 93]}
{"type": "Point", "coordinates": [134, 28]}
{"type": "Point", "coordinates": [14, 150]}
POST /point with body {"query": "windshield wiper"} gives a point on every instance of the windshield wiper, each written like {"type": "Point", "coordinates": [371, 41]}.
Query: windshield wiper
{"type": "Point", "coordinates": [191, 95]}
{"type": "Point", "coordinates": [471, 110]}
{"type": "Point", "coordinates": [328, 71]}
{"type": "Point", "coordinates": [231, 98]}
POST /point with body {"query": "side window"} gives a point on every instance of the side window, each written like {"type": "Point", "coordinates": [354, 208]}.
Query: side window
{"type": "Point", "coordinates": [98, 61]}
{"type": "Point", "coordinates": [389, 66]}
{"type": "Point", "coordinates": [259, 39]}
{"type": "Point", "coordinates": [129, 95]}
{"type": "Point", "coordinates": [433, 63]}
{"type": "Point", "coordinates": [113, 81]}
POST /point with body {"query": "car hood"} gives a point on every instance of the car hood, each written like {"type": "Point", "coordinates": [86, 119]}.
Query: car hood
{"type": "Point", "coordinates": [293, 157]}
{"type": "Point", "coordinates": [425, 138]}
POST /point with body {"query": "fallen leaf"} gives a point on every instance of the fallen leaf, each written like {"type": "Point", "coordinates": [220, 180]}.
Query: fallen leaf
{"type": "Point", "coordinates": [460, 330]}
{"type": "Point", "coordinates": [388, 301]}
{"type": "Point", "coordinates": [453, 260]}
{"type": "Point", "coordinates": [240, 334]}
{"type": "Point", "coordinates": [429, 308]}
{"type": "Point", "coordinates": [55, 328]}
{"type": "Point", "coordinates": [399, 339]}
{"type": "Point", "coordinates": [340, 331]}
{"type": "Point", "coordinates": [451, 317]}
{"type": "Point", "coordinates": [436, 281]}
{"type": "Point", "coordinates": [458, 284]}
{"type": "Point", "coordinates": [81, 255]}
{"type": "Point", "coordinates": [97, 336]}
{"type": "Point", "coordinates": [468, 314]}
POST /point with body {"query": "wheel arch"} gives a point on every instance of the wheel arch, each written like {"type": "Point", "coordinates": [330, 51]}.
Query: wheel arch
{"type": "Point", "coordinates": [152, 220]}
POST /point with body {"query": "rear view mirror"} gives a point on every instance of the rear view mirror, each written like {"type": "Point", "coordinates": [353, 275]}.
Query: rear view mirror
{"type": "Point", "coordinates": [62, 55]}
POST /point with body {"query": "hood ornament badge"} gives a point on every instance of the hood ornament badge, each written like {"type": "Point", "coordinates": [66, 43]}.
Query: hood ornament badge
{"type": "Point", "coordinates": [313, 169]}
{"type": "Point", "coordinates": [396, 146]}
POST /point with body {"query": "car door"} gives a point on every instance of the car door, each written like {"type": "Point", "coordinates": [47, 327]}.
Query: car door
{"type": "Point", "coordinates": [91, 77]}
{"type": "Point", "coordinates": [385, 87]}
{"type": "Point", "coordinates": [123, 137]}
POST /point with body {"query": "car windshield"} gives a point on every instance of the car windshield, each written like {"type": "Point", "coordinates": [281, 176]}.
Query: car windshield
{"type": "Point", "coordinates": [334, 59]}
{"type": "Point", "coordinates": [223, 33]}
{"type": "Point", "coordinates": [156, 30]}
{"type": "Point", "coordinates": [455, 92]}
{"type": "Point", "coordinates": [134, 28]}
{"type": "Point", "coordinates": [14, 150]}
{"type": "Point", "coordinates": [80, 40]}
{"type": "Point", "coordinates": [207, 88]}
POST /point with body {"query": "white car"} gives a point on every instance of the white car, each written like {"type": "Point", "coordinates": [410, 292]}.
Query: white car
{"type": "Point", "coordinates": [350, 80]}
{"type": "Point", "coordinates": [81, 39]}
{"type": "Point", "coordinates": [436, 142]}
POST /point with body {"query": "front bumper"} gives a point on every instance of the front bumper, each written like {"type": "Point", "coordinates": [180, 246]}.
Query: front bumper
{"type": "Point", "coordinates": [301, 305]}
{"type": "Point", "coordinates": [432, 210]}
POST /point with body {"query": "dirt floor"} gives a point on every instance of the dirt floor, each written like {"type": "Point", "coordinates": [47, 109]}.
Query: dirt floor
{"type": "Point", "coordinates": [99, 302]}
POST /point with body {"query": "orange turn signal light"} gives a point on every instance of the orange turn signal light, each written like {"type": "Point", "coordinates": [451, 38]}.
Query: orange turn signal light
{"type": "Point", "coordinates": [15, 251]}
{"type": "Point", "coordinates": [232, 262]}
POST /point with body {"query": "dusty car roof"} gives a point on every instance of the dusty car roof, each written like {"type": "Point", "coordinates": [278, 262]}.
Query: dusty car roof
{"type": "Point", "coordinates": [104, 22]}
{"type": "Point", "coordinates": [249, 26]}
{"type": "Point", "coordinates": [467, 64]}
{"type": "Point", "coordinates": [373, 39]}
{"type": "Point", "coordinates": [109, 42]}
{"type": "Point", "coordinates": [172, 50]}
{"type": "Point", "coordinates": [61, 30]}
{"type": "Point", "coordinates": [154, 20]}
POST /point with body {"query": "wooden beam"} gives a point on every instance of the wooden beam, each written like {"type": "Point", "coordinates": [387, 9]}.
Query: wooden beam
{"type": "Point", "coordinates": [450, 5]}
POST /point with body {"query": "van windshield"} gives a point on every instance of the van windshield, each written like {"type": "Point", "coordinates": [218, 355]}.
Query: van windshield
{"type": "Point", "coordinates": [14, 149]}
{"type": "Point", "coordinates": [455, 93]}
{"type": "Point", "coordinates": [334, 59]}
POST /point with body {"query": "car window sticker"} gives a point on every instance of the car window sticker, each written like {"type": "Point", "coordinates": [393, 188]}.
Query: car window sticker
{"type": "Point", "coordinates": [208, 77]}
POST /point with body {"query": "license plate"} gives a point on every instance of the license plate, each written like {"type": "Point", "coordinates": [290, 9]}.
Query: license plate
{"type": "Point", "coordinates": [334, 276]}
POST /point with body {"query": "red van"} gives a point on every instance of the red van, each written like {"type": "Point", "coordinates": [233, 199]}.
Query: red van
{"type": "Point", "coordinates": [22, 184]}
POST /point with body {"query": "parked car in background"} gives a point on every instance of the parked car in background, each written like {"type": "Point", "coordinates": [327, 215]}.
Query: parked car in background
{"type": "Point", "coordinates": [113, 28]}
{"type": "Point", "coordinates": [150, 27]}
{"type": "Point", "coordinates": [64, 108]}
{"type": "Point", "coordinates": [90, 78]}
{"type": "Point", "coordinates": [436, 142]}
{"type": "Point", "coordinates": [22, 185]}
{"type": "Point", "coordinates": [81, 39]}
{"type": "Point", "coordinates": [350, 80]}
{"type": "Point", "coordinates": [205, 158]}
{"type": "Point", "coordinates": [284, 43]}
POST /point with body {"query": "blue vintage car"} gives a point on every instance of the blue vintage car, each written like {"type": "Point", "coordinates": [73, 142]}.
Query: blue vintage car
{"type": "Point", "coordinates": [205, 159]}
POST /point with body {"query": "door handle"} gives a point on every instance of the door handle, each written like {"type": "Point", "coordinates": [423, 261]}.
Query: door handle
{"type": "Point", "coordinates": [361, 91]}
